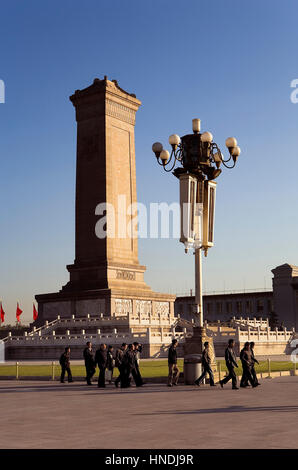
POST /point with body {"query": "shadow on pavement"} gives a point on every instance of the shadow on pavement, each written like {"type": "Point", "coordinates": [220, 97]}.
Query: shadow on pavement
{"type": "Point", "coordinates": [230, 409]}
{"type": "Point", "coordinates": [95, 390]}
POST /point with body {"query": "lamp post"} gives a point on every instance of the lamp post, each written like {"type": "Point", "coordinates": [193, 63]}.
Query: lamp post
{"type": "Point", "coordinates": [200, 159]}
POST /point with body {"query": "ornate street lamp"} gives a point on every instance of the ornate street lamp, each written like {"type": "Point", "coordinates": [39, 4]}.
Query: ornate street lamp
{"type": "Point", "coordinates": [200, 160]}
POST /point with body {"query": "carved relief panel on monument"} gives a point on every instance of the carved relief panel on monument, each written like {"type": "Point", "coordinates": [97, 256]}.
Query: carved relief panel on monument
{"type": "Point", "coordinates": [143, 307]}
{"type": "Point", "coordinates": [162, 308]}
{"type": "Point", "coordinates": [123, 307]}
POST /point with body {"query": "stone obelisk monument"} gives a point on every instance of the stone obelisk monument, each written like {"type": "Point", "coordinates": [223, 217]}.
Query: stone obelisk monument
{"type": "Point", "coordinates": [106, 276]}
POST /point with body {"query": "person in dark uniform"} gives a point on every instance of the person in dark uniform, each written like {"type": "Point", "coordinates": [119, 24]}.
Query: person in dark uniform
{"type": "Point", "coordinates": [110, 363]}
{"type": "Point", "coordinates": [254, 361]}
{"type": "Point", "coordinates": [246, 359]}
{"type": "Point", "coordinates": [65, 365]}
{"type": "Point", "coordinates": [138, 378]}
{"type": "Point", "coordinates": [172, 363]}
{"type": "Point", "coordinates": [118, 362]}
{"type": "Point", "coordinates": [101, 361]}
{"type": "Point", "coordinates": [244, 381]}
{"type": "Point", "coordinates": [129, 364]}
{"type": "Point", "coordinates": [206, 365]}
{"type": "Point", "coordinates": [231, 363]}
{"type": "Point", "coordinates": [89, 362]}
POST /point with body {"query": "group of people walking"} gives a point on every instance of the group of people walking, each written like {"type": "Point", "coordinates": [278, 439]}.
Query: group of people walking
{"type": "Point", "coordinates": [248, 361]}
{"type": "Point", "coordinates": [247, 358]}
{"type": "Point", "coordinates": [127, 359]}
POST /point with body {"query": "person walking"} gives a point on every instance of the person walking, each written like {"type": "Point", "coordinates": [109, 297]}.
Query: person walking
{"type": "Point", "coordinates": [206, 365]}
{"type": "Point", "coordinates": [65, 365]}
{"type": "Point", "coordinates": [246, 359]}
{"type": "Point", "coordinates": [89, 362]}
{"type": "Point", "coordinates": [254, 361]}
{"type": "Point", "coordinates": [110, 364]}
{"type": "Point", "coordinates": [231, 363]}
{"type": "Point", "coordinates": [244, 381]}
{"type": "Point", "coordinates": [129, 364]}
{"type": "Point", "coordinates": [172, 363]}
{"type": "Point", "coordinates": [101, 361]}
{"type": "Point", "coordinates": [138, 378]}
{"type": "Point", "coordinates": [118, 362]}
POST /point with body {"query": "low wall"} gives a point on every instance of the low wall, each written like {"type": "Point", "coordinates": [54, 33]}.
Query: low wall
{"type": "Point", "coordinates": [53, 353]}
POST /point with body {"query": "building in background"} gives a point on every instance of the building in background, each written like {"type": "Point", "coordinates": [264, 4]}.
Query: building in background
{"type": "Point", "coordinates": [279, 305]}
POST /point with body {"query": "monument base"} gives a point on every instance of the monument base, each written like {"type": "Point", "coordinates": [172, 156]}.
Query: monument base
{"type": "Point", "coordinates": [106, 302]}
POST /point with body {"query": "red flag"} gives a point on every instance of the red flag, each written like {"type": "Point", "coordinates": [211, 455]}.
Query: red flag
{"type": "Point", "coordinates": [2, 313]}
{"type": "Point", "coordinates": [18, 312]}
{"type": "Point", "coordinates": [35, 313]}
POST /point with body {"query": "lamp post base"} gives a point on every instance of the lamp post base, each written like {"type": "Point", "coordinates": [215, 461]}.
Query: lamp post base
{"type": "Point", "coordinates": [195, 344]}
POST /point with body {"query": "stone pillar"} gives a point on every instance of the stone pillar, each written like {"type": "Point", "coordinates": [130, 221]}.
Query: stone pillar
{"type": "Point", "coordinates": [113, 307]}
{"type": "Point", "coordinates": [285, 333]}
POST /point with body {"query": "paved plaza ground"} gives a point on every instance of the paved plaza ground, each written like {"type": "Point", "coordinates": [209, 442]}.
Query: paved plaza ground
{"type": "Point", "coordinates": [54, 415]}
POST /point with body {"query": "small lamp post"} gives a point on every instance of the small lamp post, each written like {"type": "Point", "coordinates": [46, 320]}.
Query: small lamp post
{"type": "Point", "coordinates": [200, 159]}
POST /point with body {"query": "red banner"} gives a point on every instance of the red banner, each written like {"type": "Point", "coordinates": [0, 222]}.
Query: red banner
{"type": "Point", "coordinates": [35, 313]}
{"type": "Point", "coordinates": [2, 313]}
{"type": "Point", "coordinates": [18, 312]}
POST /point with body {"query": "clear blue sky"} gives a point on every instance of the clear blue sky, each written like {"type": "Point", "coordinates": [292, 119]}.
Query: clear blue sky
{"type": "Point", "coordinates": [228, 62]}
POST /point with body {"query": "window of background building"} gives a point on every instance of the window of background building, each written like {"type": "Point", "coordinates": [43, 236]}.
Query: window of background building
{"type": "Point", "coordinates": [218, 307]}
{"type": "Point", "coordinates": [270, 305]}
{"type": "Point", "coordinates": [209, 308]}
{"type": "Point", "coordinates": [229, 307]}
{"type": "Point", "coordinates": [180, 308]}
{"type": "Point", "coordinates": [260, 305]}
{"type": "Point", "coordinates": [248, 306]}
{"type": "Point", "coordinates": [239, 307]}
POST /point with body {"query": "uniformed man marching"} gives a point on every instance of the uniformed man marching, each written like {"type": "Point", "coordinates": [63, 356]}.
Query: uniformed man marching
{"type": "Point", "coordinates": [138, 378]}
{"type": "Point", "coordinates": [65, 365]}
{"type": "Point", "coordinates": [231, 363]}
{"type": "Point", "coordinates": [101, 361]}
{"type": "Point", "coordinates": [89, 362]}
{"type": "Point", "coordinates": [246, 359]}
{"type": "Point", "coordinates": [254, 361]}
{"type": "Point", "coordinates": [118, 362]}
{"type": "Point", "coordinates": [172, 363]}
{"type": "Point", "coordinates": [206, 365]}
{"type": "Point", "coordinates": [129, 366]}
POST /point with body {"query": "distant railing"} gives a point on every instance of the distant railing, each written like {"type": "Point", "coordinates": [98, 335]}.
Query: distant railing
{"type": "Point", "coordinates": [252, 334]}
{"type": "Point", "coordinates": [191, 292]}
